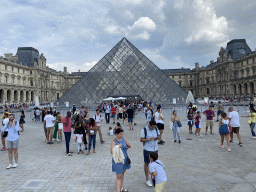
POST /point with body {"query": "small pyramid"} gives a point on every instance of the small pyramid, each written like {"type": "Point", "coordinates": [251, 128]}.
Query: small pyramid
{"type": "Point", "coordinates": [124, 72]}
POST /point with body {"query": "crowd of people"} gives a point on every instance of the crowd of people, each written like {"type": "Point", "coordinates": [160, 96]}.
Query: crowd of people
{"type": "Point", "coordinates": [86, 126]}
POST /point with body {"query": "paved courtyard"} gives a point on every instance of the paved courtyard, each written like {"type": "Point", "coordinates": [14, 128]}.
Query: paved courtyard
{"type": "Point", "coordinates": [194, 165]}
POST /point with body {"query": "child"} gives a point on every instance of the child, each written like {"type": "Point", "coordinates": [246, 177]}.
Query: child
{"type": "Point", "coordinates": [110, 131]}
{"type": "Point", "coordinates": [156, 169]}
{"type": "Point", "coordinates": [118, 125]}
{"type": "Point", "coordinates": [79, 141]}
{"type": "Point", "coordinates": [224, 130]}
{"type": "Point", "coordinates": [198, 124]}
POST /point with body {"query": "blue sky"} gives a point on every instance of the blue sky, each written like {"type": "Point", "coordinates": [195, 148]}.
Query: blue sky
{"type": "Point", "coordinates": [172, 33]}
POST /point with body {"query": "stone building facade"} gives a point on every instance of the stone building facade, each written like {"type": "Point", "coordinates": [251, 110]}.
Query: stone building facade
{"type": "Point", "coordinates": [25, 76]}
{"type": "Point", "coordinates": [233, 74]}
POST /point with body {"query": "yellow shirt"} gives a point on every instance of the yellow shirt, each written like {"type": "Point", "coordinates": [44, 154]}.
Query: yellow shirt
{"type": "Point", "coordinates": [253, 119]}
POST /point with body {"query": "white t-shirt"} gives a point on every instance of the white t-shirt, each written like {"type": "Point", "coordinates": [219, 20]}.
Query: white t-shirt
{"type": "Point", "coordinates": [6, 120]}
{"type": "Point", "coordinates": [37, 112]}
{"type": "Point", "coordinates": [234, 116]}
{"type": "Point", "coordinates": [79, 138]}
{"type": "Point", "coordinates": [48, 119]}
{"type": "Point", "coordinates": [158, 120]}
{"type": "Point", "coordinates": [108, 108]}
{"type": "Point", "coordinates": [98, 119]}
{"type": "Point", "coordinates": [111, 132]}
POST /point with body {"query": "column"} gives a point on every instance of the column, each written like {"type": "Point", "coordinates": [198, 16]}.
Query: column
{"type": "Point", "coordinates": [12, 96]}
{"type": "Point", "coordinates": [5, 96]}
{"type": "Point", "coordinates": [29, 96]}
{"type": "Point", "coordinates": [18, 96]}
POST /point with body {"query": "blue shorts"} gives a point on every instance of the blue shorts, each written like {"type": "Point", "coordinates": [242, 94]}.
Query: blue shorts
{"type": "Point", "coordinates": [113, 115]}
{"type": "Point", "coordinates": [130, 120]}
{"type": "Point", "coordinates": [198, 126]}
{"type": "Point", "coordinates": [219, 112]}
{"type": "Point", "coordinates": [146, 156]}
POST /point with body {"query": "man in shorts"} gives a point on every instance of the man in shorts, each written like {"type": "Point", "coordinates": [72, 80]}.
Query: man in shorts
{"type": "Point", "coordinates": [130, 113]}
{"type": "Point", "coordinates": [235, 124]}
{"type": "Point", "coordinates": [49, 121]}
{"type": "Point", "coordinates": [209, 119]}
{"type": "Point", "coordinates": [149, 136]}
{"type": "Point", "coordinates": [98, 119]}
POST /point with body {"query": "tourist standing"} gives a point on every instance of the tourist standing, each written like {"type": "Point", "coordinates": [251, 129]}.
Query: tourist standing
{"type": "Point", "coordinates": [130, 113]}
{"type": "Point", "coordinates": [12, 140]}
{"type": "Point", "coordinates": [149, 137]}
{"type": "Point", "coordinates": [148, 115]}
{"type": "Point", "coordinates": [190, 117]}
{"type": "Point", "coordinates": [175, 128]}
{"type": "Point", "coordinates": [82, 111]}
{"type": "Point", "coordinates": [98, 119]}
{"type": "Point", "coordinates": [159, 118]}
{"type": "Point", "coordinates": [107, 113]}
{"type": "Point", "coordinates": [124, 115]}
{"type": "Point", "coordinates": [198, 124]}
{"type": "Point", "coordinates": [49, 121]}
{"type": "Point", "coordinates": [74, 108]}
{"type": "Point", "coordinates": [235, 124]}
{"type": "Point", "coordinates": [224, 130]}
{"type": "Point", "coordinates": [120, 165]}
{"type": "Point", "coordinates": [37, 114]}
{"type": "Point", "coordinates": [5, 133]}
{"type": "Point", "coordinates": [156, 169]}
{"type": "Point", "coordinates": [220, 109]}
{"type": "Point", "coordinates": [209, 119]}
{"type": "Point", "coordinates": [67, 131]}
{"type": "Point", "coordinates": [43, 114]}
{"type": "Point", "coordinates": [113, 113]}
{"type": "Point", "coordinates": [22, 120]}
{"type": "Point", "coordinates": [251, 121]}
{"type": "Point", "coordinates": [251, 105]}
{"type": "Point", "coordinates": [120, 112]}
{"type": "Point", "coordinates": [86, 126]}
{"type": "Point", "coordinates": [92, 136]}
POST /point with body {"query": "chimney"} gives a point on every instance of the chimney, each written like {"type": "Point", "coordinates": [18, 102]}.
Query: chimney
{"type": "Point", "coordinates": [197, 65]}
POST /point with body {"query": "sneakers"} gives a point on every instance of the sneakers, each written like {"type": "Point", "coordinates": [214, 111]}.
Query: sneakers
{"type": "Point", "coordinates": [205, 133]}
{"type": "Point", "coordinates": [175, 141]}
{"type": "Point", "coordinates": [212, 133]}
{"type": "Point", "coordinates": [15, 165]}
{"type": "Point", "coordinates": [254, 137]}
{"type": "Point", "coordinates": [148, 183]}
{"type": "Point", "coordinates": [179, 141]}
{"type": "Point", "coordinates": [102, 142]}
{"type": "Point", "coordinates": [163, 141]}
{"type": "Point", "coordinates": [200, 136]}
{"type": "Point", "coordinates": [229, 149]}
{"type": "Point", "coordinates": [160, 143]}
{"type": "Point", "coordinates": [231, 141]}
{"type": "Point", "coordinates": [69, 154]}
{"type": "Point", "coordinates": [3, 149]}
{"type": "Point", "coordinates": [241, 144]}
{"type": "Point", "coordinates": [221, 146]}
{"type": "Point", "coordinates": [9, 166]}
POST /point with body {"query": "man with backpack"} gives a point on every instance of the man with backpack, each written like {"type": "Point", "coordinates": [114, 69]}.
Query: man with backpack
{"type": "Point", "coordinates": [149, 137]}
{"type": "Point", "coordinates": [97, 118]}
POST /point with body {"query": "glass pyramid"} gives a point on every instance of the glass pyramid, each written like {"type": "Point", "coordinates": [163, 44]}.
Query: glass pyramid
{"type": "Point", "coordinates": [123, 72]}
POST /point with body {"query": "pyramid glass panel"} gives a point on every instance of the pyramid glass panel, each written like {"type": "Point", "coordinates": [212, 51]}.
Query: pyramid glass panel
{"type": "Point", "coordinates": [123, 71]}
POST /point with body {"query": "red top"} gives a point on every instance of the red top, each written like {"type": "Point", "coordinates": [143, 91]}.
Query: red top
{"type": "Point", "coordinates": [66, 128]}
{"type": "Point", "coordinates": [113, 110]}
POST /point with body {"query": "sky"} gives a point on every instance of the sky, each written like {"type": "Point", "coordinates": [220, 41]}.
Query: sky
{"type": "Point", "coordinates": [171, 33]}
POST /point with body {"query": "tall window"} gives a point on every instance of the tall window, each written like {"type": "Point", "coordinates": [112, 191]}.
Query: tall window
{"type": "Point", "coordinates": [5, 67]}
{"type": "Point", "coordinates": [6, 79]}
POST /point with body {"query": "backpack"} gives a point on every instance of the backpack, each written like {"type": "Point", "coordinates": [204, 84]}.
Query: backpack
{"type": "Point", "coordinates": [145, 132]}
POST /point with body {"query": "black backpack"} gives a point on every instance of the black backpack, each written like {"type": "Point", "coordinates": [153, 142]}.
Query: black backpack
{"type": "Point", "coordinates": [145, 132]}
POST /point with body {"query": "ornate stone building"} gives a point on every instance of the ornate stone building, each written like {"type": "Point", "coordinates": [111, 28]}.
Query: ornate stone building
{"type": "Point", "coordinates": [233, 74]}
{"type": "Point", "coordinates": [25, 75]}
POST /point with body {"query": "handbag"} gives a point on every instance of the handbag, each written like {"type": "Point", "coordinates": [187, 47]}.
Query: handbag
{"type": "Point", "coordinates": [5, 134]}
{"type": "Point", "coordinates": [128, 162]}
{"type": "Point", "coordinates": [179, 124]}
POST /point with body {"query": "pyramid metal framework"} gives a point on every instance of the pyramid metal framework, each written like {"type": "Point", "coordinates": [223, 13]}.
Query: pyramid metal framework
{"type": "Point", "coordinates": [123, 71]}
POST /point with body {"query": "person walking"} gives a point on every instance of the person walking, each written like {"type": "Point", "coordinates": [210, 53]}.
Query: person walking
{"type": "Point", "coordinates": [251, 121]}
{"type": "Point", "coordinates": [224, 130]}
{"type": "Point", "coordinates": [124, 115]}
{"type": "Point", "coordinates": [60, 126]}
{"type": "Point", "coordinates": [98, 119]}
{"type": "Point", "coordinates": [12, 140]}
{"type": "Point", "coordinates": [176, 129]}
{"type": "Point", "coordinates": [130, 113]}
{"type": "Point", "coordinates": [150, 136]}
{"type": "Point", "coordinates": [37, 114]}
{"type": "Point", "coordinates": [113, 113]}
{"type": "Point", "coordinates": [159, 118]}
{"type": "Point", "coordinates": [235, 124]}
{"type": "Point", "coordinates": [67, 131]}
{"type": "Point", "coordinates": [4, 135]}
{"type": "Point", "coordinates": [251, 105]}
{"type": "Point", "coordinates": [120, 166]}
{"type": "Point", "coordinates": [22, 120]}
{"type": "Point", "coordinates": [107, 113]}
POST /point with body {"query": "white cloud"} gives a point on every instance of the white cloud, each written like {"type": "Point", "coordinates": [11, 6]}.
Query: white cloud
{"type": "Point", "coordinates": [208, 27]}
{"type": "Point", "coordinates": [114, 29]}
{"type": "Point", "coordinates": [143, 35]}
{"type": "Point", "coordinates": [129, 14]}
{"type": "Point", "coordinates": [72, 67]}
{"type": "Point", "coordinates": [143, 23]}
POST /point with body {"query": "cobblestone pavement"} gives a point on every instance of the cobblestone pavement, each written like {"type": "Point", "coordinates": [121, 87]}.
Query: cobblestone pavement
{"type": "Point", "coordinates": [194, 165]}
